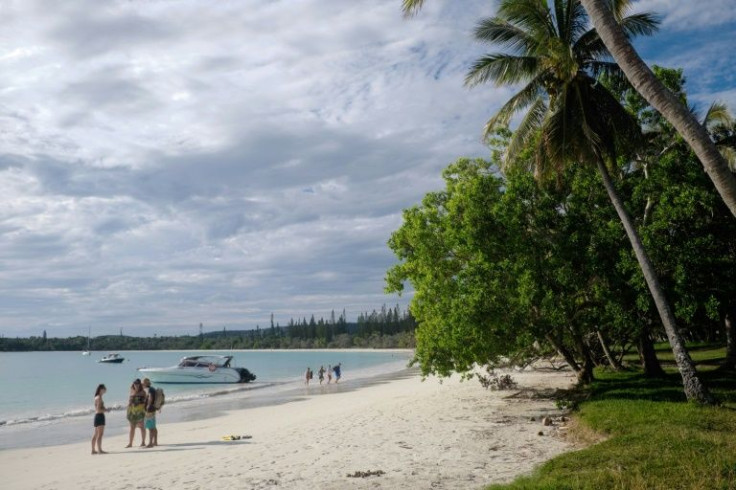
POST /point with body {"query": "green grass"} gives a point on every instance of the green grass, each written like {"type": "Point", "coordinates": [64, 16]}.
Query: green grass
{"type": "Point", "coordinates": [654, 438]}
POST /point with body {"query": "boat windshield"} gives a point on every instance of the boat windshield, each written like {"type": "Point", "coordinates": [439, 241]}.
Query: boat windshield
{"type": "Point", "coordinates": [205, 361]}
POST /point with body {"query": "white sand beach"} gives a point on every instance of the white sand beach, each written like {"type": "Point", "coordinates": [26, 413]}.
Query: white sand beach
{"type": "Point", "coordinates": [449, 435]}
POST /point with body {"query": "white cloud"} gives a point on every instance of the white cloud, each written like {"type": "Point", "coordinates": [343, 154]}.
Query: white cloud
{"type": "Point", "coordinates": [684, 15]}
{"type": "Point", "coordinates": [167, 162]}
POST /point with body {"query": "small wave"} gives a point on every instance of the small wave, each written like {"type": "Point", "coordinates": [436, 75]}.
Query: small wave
{"type": "Point", "coordinates": [170, 399]}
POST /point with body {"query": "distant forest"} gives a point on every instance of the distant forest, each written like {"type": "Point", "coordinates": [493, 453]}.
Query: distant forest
{"type": "Point", "coordinates": [387, 328]}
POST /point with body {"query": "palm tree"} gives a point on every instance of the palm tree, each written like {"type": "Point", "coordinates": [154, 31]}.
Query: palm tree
{"type": "Point", "coordinates": [556, 59]}
{"type": "Point", "coordinates": [604, 15]}
{"type": "Point", "coordinates": [606, 18]}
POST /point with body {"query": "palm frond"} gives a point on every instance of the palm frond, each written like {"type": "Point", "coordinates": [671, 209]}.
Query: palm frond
{"type": "Point", "coordinates": [607, 68]}
{"type": "Point", "coordinates": [717, 114]}
{"type": "Point", "coordinates": [411, 7]}
{"type": "Point", "coordinates": [518, 102]}
{"type": "Point", "coordinates": [571, 19]}
{"type": "Point", "coordinates": [502, 69]}
{"type": "Point", "coordinates": [589, 46]}
{"type": "Point", "coordinates": [526, 130]}
{"type": "Point", "coordinates": [644, 24]}
{"type": "Point", "coordinates": [729, 154]}
{"type": "Point", "coordinates": [618, 129]}
{"type": "Point", "coordinates": [532, 16]}
{"type": "Point", "coordinates": [619, 8]}
{"type": "Point", "coordinates": [498, 31]}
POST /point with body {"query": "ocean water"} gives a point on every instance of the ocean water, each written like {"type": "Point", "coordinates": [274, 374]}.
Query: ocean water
{"type": "Point", "coordinates": [47, 397]}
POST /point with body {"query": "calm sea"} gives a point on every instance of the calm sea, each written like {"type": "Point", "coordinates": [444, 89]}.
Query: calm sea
{"type": "Point", "coordinates": [47, 396]}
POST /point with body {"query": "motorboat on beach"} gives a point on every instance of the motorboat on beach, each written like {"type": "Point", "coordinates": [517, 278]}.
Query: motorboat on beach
{"type": "Point", "coordinates": [112, 358]}
{"type": "Point", "coordinates": [199, 369]}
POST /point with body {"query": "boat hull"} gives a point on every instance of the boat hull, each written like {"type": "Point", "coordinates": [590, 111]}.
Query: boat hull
{"type": "Point", "coordinates": [111, 361]}
{"type": "Point", "coordinates": [189, 375]}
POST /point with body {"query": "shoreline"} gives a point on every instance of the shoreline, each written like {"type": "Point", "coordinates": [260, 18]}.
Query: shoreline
{"type": "Point", "coordinates": [278, 371]}
{"type": "Point", "coordinates": [48, 430]}
{"type": "Point", "coordinates": [419, 434]}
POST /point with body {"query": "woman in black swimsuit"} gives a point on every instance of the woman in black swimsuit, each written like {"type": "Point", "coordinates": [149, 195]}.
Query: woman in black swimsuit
{"type": "Point", "coordinates": [99, 420]}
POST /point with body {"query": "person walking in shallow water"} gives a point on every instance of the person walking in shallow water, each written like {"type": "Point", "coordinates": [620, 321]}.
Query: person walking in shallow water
{"type": "Point", "coordinates": [308, 376]}
{"type": "Point", "coordinates": [99, 421]}
{"type": "Point", "coordinates": [136, 411]}
{"type": "Point", "coordinates": [321, 374]}
{"type": "Point", "coordinates": [329, 373]}
{"type": "Point", "coordinates": [337, 372]}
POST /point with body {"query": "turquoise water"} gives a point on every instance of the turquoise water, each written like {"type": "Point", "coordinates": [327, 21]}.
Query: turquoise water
{"type": "Point", "coordinates": [40, 388]}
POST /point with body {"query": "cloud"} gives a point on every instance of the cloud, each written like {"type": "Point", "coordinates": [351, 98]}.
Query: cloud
{"type": "Point", "coordinates": [166, 163]}
{"type": "Point", "coordinates": [170, 163]}
{"type": "Point", "coordinates": [686, 15]}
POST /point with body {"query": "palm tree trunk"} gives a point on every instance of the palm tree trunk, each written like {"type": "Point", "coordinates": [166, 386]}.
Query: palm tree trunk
{"type": "Point", "coordinates": [649, 86]}
{"type": "Point", "coordinates": [612, 361]}
{"type": "Point", "coordinates": [694, 388]}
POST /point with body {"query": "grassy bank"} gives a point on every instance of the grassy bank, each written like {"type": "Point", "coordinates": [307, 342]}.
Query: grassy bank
{"type": "Point", "coordinates": [654, 439]}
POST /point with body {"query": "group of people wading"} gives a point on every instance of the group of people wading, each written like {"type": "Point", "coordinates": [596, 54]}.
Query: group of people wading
{"type": "Point", "coordinates": [309, 374]}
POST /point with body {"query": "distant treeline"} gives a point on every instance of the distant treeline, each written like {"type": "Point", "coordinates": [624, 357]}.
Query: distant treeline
{"type": "Point", "coordinates": [387, 328]}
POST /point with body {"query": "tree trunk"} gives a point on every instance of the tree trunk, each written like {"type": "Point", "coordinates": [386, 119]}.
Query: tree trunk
{"type": "Point", "coordinates": [612, 361]}
{"type": "Point", "coordinates": [649, 86]}
{"type": "Point", "coordinates": [566, 354]}
{"type": "Point", "coordinates": [585, 375]}
{"type": "Point", "coordinates": [729, 322]}
{"type": "Point", "coordinates": [648, 357]}
{"type": "Point", "coordinates": [694, 388]}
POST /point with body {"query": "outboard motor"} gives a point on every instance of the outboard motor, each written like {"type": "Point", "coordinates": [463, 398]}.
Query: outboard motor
{"type": "Point", "coordinates": [245, 375]}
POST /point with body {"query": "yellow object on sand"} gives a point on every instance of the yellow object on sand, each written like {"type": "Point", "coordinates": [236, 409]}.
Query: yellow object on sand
{"type": "Point", "coordinates": [235, 438]}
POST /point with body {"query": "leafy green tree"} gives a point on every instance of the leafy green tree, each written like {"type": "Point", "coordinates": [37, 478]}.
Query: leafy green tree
{"type": "Point", "coordinates": [497, 271]}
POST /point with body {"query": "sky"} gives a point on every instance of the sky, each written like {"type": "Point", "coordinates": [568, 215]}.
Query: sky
{"type": "Point", "coordinates": [166, 163]}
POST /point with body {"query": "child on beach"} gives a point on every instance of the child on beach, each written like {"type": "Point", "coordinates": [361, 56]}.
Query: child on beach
{"type": "Point", "coordinates": [329, 373]}
{"type": "Point", "coordinates": [99, 420]}
{"type": "Point", "coordinates": [149, 421]}
{"type": "Point", "coordinates": [307, 376]}
{"type": "Point", "coordinates": [321, 374]}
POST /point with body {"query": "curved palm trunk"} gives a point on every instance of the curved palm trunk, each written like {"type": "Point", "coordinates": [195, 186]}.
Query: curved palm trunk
{"type": "Point", "coordinates": [649, 86]}
{"type": "Point", "coordinates": [612, 361]}
{"type": "Point", "coordinates": [694, 388]}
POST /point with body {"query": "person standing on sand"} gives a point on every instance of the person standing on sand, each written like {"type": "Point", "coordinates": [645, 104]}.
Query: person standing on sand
{"type": "Point", "coordinates": [321, 374]}
{"type": "Point", "coordinates": [136, 411]}
{"type": "Point", "coordinates": [329, 373]}
{"type": "Point", "coordinates": [149, 421]}
{"type": "Point", "coordinates": [337, 372]}
{"type": "Point", "coordinates": [99, 420]}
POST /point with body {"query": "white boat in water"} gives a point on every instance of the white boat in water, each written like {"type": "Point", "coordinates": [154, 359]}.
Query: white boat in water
{"type": "Point", "coordinates": [112, 358]}
{"type": "Point", "coordinates": [199, 369]}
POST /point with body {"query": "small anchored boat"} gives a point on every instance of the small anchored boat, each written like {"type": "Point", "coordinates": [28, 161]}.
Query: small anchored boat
{"type": "Point", "coordinates": [199, 369]}
{"type": "Point", "coordinates": [112, 358]}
